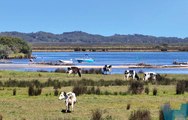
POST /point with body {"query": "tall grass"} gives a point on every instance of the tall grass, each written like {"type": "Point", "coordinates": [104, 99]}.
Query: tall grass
{"type": "Point", "coordinates": [140, 115]}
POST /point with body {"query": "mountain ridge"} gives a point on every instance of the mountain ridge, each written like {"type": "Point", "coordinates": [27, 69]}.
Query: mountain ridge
{"type": "Point", "coordinates": [79, 37]}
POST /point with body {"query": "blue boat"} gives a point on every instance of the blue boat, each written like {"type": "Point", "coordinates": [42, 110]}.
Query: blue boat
{"type": "Point", "coordinates": [85, 60]}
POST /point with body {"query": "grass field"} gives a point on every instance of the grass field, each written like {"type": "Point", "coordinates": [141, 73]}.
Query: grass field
{"type": "Point", "coordinates": [47, 106]}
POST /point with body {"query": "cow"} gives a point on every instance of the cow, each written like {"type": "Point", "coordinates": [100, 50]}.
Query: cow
{"type": "Point", "coordinates": [107, 69]}
{"type": "Point", "coordinates": [70, 100]}
{"type": "Point", "coordinates": [74, 70]}
{"type": "Point", "coordinates": [150, 76]}
{"type": "Point", "coordinates": [130, 74]}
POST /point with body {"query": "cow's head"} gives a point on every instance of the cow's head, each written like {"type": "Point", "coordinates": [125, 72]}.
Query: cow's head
{"type": "Point", "coordinates": [62, 96]}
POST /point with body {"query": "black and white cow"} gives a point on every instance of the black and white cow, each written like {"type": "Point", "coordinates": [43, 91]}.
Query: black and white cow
{"type": "Point", "coordinates": [107, 69]}
{"type": "Point", "coordinates": [130, 74]}
{"type": "Point", "coordinates": [70, 100]}
{"type": "Point", "coordinates": [150, 76]}
{"type": "Point", "coordinates": [74, 70]}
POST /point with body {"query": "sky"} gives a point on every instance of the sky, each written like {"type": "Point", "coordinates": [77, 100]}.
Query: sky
{"type": "Point", "coordinates": [168, 18]}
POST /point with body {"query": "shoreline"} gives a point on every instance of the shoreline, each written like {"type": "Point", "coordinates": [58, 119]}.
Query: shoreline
{"type": "Point", "coordinates": [14, 66]}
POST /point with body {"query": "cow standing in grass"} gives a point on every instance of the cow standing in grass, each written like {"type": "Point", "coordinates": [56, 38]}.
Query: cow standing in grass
{"type": "Point", "coordinates": [150, 76]}
{"type": "Point", "coordinates": [70, 100]}
{"type": "Point", "coordinates": [130, 74]}
{"type": "Point", "coordinates": [74, 70]}
{"type": "Point", "coordinates": [107, 69]}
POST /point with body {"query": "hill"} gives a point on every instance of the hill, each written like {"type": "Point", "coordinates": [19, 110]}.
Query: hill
{"type": "Point", "coordinates": [79, 37]}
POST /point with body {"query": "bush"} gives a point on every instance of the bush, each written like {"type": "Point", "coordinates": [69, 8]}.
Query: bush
{"type": "Point", "coordinates": [56, 92]}
{"type": "Point", "coordinates": [60, 70]}
{"type": "Point", "coordinates": [140, 115]}
{"type": "Point", "coordinates": [180, 87]}
{"type": "Point", "coordinates": [92, 71]}
{"type": "Point", "coordinates": [97, 114]}
{"type": "Point", "coordinates": [136, 87]}
{"type": "Point", "coordinates": [154, 91]}
{"type": "Point", "coordinates": [34, 91]}
{"type": "Point", "coordinates": [146, 90]}
{"type": "Point", "coordinates": [14, 92]}
{"type": "Point", "coordinates": [162, 80]}
{"type": "Point", "coordinates": [79, 89]}
{"type": "Point", "coordinates": [128, 106]}
{"type": "Point", "coordinates": [98, 91]}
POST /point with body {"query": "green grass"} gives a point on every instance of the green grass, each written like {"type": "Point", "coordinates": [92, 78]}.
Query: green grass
{"type": "Point", "coordinates": [48, 107]}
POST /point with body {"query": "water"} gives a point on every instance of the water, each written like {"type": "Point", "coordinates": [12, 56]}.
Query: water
{"type": "Point", "coordinates": [115, 58]}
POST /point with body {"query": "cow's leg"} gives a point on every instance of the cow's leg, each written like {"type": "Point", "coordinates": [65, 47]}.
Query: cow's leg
{"type": "Point", "coordinates": [127, 76]}
{"type": "Point", "coordinates": [70, 72]}
{"type": "Point", "coordinates": [67, 106]}
{"type": "Point", "coordinates": [133, 76]}
{"type": "Point", "coordinates": [72, 105]}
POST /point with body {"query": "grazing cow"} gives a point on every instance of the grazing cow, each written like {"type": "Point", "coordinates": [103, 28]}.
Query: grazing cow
{"type": "Point", "coordinates": [130, 73]}
{"type": "Point", "coordinates": [150, 76]}
{"type": "Point", "coordinates": [107, 69]}
{"type": "Point", "coordinates": [74, 70]}
{"type": "Point", "coordinates": [70, 100]}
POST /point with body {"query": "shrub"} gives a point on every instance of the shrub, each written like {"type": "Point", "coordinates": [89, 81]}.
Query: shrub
{"type": "Point", "coordinates": [97, 114]}
{"type": "Point", "coordinates": [79, 89]}
{"type": "Point", "coordinates": [140, 115]}
{"type": "Point", "coordinates": [38, 91]}
{"type": "Point", "coordinates": [33, 90]}
{"type": "Point", "coordinates": [162, 80]}
{"type": "Point", "coordinates": [154, 91]}
{"type": "Point", "coordinates": [107, 93]}
{"type": "Point", "coordinates": [136, 87]}
{"type": "Point", "coordinates": [56, 92]}
{"type": "Point", "coordinates": [98, 91]}
{"type": "Point", "coordinates": [56, 84]}
{"type": "Point", "coordinates": [60, 70]}
{"type": "Point", "coordinates": [146, 90]}
{"type": "Point", "coordinates": [128, 106]}
{"type": "Point", "coordinates": [180, 87]}
{"type": "Point", "coordinates": [92, 71]}
{"type": "Point", "coordinates": [40, 75]}
{"type": "Point", "coordinates": [14, 92]}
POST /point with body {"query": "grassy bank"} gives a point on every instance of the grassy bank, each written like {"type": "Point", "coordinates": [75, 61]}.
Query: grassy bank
{"type": "Point", "coordinates": [47, 106]}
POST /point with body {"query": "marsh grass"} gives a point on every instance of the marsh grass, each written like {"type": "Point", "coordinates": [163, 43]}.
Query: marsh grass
{"type": "Point", "coordinates": [47, 106]}
{"type": "Point", "coordinates": [39, 107]}
{"type": "Point", "coordinates": [140, 115]}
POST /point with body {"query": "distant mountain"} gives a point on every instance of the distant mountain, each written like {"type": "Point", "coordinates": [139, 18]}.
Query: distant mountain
{"type": "Point", "coordinates": [79, 37]}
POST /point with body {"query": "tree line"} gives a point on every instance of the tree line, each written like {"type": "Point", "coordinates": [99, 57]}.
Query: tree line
{"type": "Point", "coordinates": [12, 46]}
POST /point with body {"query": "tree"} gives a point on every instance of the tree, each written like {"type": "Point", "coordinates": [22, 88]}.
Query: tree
{"type": "Point", "coordinates": [5, 51]}
{"type": "Point", "coordinates": [14, 45]}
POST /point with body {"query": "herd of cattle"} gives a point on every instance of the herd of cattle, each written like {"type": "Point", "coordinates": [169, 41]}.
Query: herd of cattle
{"type": "Point", "coordinates": [128, 74]}
{"type": "Point", "coordinates": [70, 97]}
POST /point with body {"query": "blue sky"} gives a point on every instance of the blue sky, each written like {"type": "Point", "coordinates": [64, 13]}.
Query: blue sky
{"type": "Point", "coordinates": [106, 17]}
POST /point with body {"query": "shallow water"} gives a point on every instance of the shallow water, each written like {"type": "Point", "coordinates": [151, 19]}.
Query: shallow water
{"type": "Point", "coordinates": [113, 58]}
